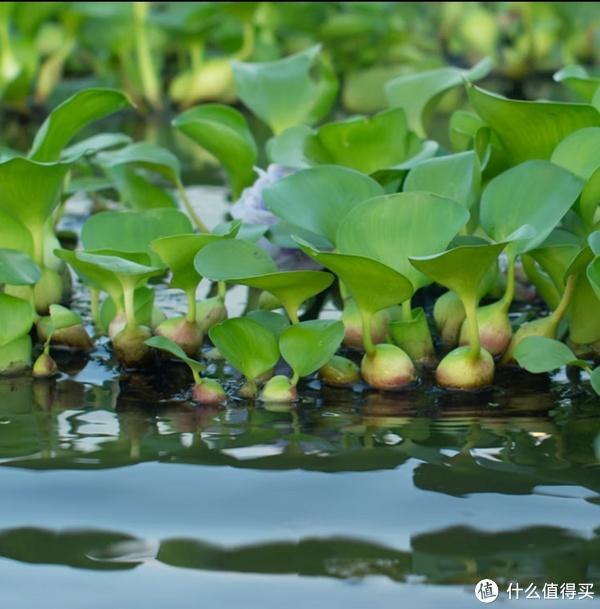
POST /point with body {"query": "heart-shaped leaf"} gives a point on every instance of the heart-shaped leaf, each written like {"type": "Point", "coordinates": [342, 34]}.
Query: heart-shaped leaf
{"type": "Point", "coordinates": [165, 344]}
{"type": "Point", "coordinates": [455, 176]}
{"type": "Point", "coordinates": [94, 144]}
{"type": "Point", "coordinates": [415, 92]}
{"type": "Point", "coordinates": [70, 117]}
{"type": "Point", "coordinates": [247, 345]}
{"type": "Point", "coordinates": [224, 132]}
{"type": "Point", "coordinates": [16, 318]}
{"type": "Point", "coordinates": [61, 317]}
{"type": "Point", "coordinates": [272, 321]}
{"type": "Point", "coordinates": [316, 199]}
{"type": "Point", "coordinates": [14, 235]}
{"type": "Point", "coordinates": [528, 129]}
{"type": "Point", "coordinates": [309, 345]}
{"type": "Point", "coordinates": [579, 152]}
{"type": "Point", "coordinates": [297, 89]}
{"type": "Point", "coordinates": [540, 354]}
{"type": "Point", "coordinates": [137, 191]}
{"type": "Point", "coordinates": [222, 261]}
{"type": "Point", "coordinates": [17, 268]}
{"type": "Point", "coordinates": [367, 144]}
{"type": "Point", "coordinates": [534, 193]}
{"type": "Point", "coordinates": [393, 227]}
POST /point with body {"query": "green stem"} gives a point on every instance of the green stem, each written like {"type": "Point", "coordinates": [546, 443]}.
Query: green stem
{"type": "Point", "coordinates": [295, 378]}
{"type": "Point", "coordinates": [95, 305]}
{"type": "Point", "coordinates": [366, 332]}
{"type": "Point", "coordinates": [197, 55]}
{"type": "Point", "coordinates": [47, 343]}
{"type": "Point", "coordinates": [247, 43]}
{"type": "Point", "coordinates": [148, 75]}
{"type": "Point", "coordinates": [509, 292]}
{"type": "Point", "coordinates": [565, 301]}
{"type": "Point", "coordinates": [406, 310]}
{"type": "Point", "coordinates": [470, 305]}
{"type": "Point", "coordinates": [221, 290]}
{"type": "Point", "coordinates": [129, 300]}
{"type": "Point", "coordinates": [37, 234]}
{"type": "Point", "coordinates": [196, 375]}
{"type": "Point", "coordinates": [190, 209]}
{"type": "Point", "coordinates": [191, 305]}
{"type": "Point", "coordinates": [292, 314]}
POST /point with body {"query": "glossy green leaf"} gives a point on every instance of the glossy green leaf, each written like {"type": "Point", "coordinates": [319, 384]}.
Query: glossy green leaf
{"type": "Point", "coordinates": [61, 317]}
{"type": "Point", "coordinates": [30, 192]}
{"type": "Point", "coordinates": [275, 322]}
{"type": "Point", "coordinates": [168, 346]}
{"type": "Point", "coordinates": [367, 144]}
{"type": "Point", "coordinates": [146, 155]}
{"type": "Point", "coordinates": [224, 132]}
{"type": "Point", "coordinates": [14, 235]}
{"type": "Point", "coordinates": [222, 261]}
{"type": "Point", "coordinates": [309, 345]}
{"type": "Point", "coordinates": [287, 148]}
{"type": "Point", "coordinates": [393, 227]}
{"type": "Point", "coordinates": [16, 318]}
{"type": "Point", "coordinates": [590, 198]}
{"type": "Point", "coordinates": [123, 268]}
{"type": "Point", "coordinates": [555, 255]}
{"type": "Point", "coordinates": [578, 80]}
{"type": "Point", "coordinates": [137, 191]}
{"type": "Point", "coordinates": [593, 275]}
{"type": "Point", "coordinates": [540, 354]}
{"type": "Point", "coordinates": [178, 253]}
{"type": "Point", "coordinates": [534, 193]}
{"type": "Point", "coordinates": [579, 152]}
{"type": "Point", "coordinates": [17, 268]}
{"type": "Point", "coordinates": [247, 345]}
{"type": "Point", "coordinates": [584, 328]}
{"type": "Point", "coordinates": [456, 176]}
{"type": "Point", "coordinates": [132, 231]}
{"type": "Point", "coordinates": [461, 269]}
{"type": "Point", "coordinates": [529, 129]}
{"type": "Point", "coordinates": [373, 285]}
{"type": "Point", "coordinates": [317, 198]}
{"type": "Point", "coordinates": [416, 92]}
{"type": "Point", "coordinates": [70, 117]}
{"type": "Point", "coordinates": [94, 144]}
{"type": "Point", "coordinates": [297, 89]}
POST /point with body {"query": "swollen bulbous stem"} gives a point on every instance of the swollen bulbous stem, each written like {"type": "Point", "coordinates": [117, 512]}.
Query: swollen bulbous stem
{"type": "Point", "coordinates": [190, 208]}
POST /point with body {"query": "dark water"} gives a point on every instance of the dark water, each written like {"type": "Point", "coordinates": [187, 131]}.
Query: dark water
{"type": "Point", "coordinates": [118, 491]}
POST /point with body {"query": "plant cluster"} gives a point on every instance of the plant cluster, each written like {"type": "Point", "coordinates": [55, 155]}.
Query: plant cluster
{"type": "Point", "coordinates": [374, 210]}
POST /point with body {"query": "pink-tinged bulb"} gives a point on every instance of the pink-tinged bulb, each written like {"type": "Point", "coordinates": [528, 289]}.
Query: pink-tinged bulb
{"type": "Point", "coordinates": [388, 368]}
{"type": "Point", "coordinates": [186, 334]}
{"type": "Point", "coordinates": [459, 370]}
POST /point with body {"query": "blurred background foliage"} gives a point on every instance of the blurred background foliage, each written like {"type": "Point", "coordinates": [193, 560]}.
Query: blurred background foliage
{"type": "Point", "coordinates": [167, 54]}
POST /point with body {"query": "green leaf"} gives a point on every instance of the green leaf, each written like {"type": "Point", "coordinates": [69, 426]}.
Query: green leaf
{"type": "Point", "coordinates": [94, 144]}
{"type": "Point", "coordinates": [595, 380]}
{"type": "Point", "coordinates": [287, 148]}
{"type": "Point", "coordinates": [224, 132]}
{"type": "Point", "coordinates": [61, 317]}
{"type": "Point", "coordinates": [14, 235]}
{"type": "Point", "coordinates": [555, 255]}
{"type": "Point", "coordinates": [123, 268]}
{"type": "Point", "coordinates": [393, 227]}
{"type": "Point", "coordinates": [297, 89]}
{"type": "Point", "coordinates": [30, 192]}
{"type": "Point", "coordinates": [178, 253]}
{"type": "Point", "coordinates": [593, 275]}
{"type": "Point", "coordinates": [17, 268]}
{"type": "Point", "coordinates": [540, 354]}
{"type": "Point", "coordinates": [132, 231]}
{"type": "Point", "coordinates": [416, 92]}
{"type": "Point", "coordinates": [145, 155]}
{"type": "Point", "coordinates": [590, 197]}
{"type": "Point", "coordinates": [309, 345]}
{"type": "Point", "coordinates": [16, 318]}
{"type": "Point", "coordinates": [275, 322]}
{"type": "Point", "coordinates": [579, 152]}
{"type": "Point", "coordinates": [373, 285]}
{"type": "Point", "coordinates": [367, 144]}
{"type": "Point", "coordinates": [317, 198]}
{"type": "Point", "coordinates": [584, 328]}
{"type": "Point", "coordinates": [168, 346]}
{"type": "Point", "coordinates": [225, 260]}
{"type": "Point", "coordinates": [528, 129]}
{"type": "Point", "coordinates": [534, 193]}
{"type": "Point", "coordinates": [578, 80]}
{"type": "Point", "coordinates": [70, 117]}
{"type": "Point", "coordinates": [456, 176]}
{"type": "Point", "coordinates": [247, 345]}
{"type": "Point", "coordinates": [461, 269]}
{"type": "Point", "coordinates": [137, 191]}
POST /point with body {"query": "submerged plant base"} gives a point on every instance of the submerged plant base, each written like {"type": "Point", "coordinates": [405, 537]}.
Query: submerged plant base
{"type": "Point", "coordinates": [495, 330]}
{"type": "Point", "coordinates": [544, 326]}
{"type": "Point", "coordinates": [44, 367]}
{"type": "Point", "coordinates": [15, 357]}
{"type": "Point", "coordinates": [210, 312]}
{"type": "Point", "coordinates": [130, 348]}
{"type": "Point", "coordinates": [449, 315]}
{"type": "Point", "coordinates": [279, 389]}
{"type": "Point", "coordinates": [388, 368]}
{"type": "Point", "coordinates": [353, 332]}
{"type": "Point", "coordinates": [340, 372]}
{"type": "Point", "coordinates": [459, 370]}
{"type": "Point", "coordinates": [186, 334]}
{"type": "Point", "coordinates": [209, 392]}
{"type": "Point", "coordinates": [413, 337]}
{"type": "Point", "coordinates": [74, 337]}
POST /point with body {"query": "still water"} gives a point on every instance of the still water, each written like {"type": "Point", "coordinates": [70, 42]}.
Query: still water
{"type": "Point", "coordinates": [118, 491]}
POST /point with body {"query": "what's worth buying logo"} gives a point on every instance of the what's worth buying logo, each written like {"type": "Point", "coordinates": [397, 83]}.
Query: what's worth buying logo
{"type": "Point", "coordinates": [487, 591]}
